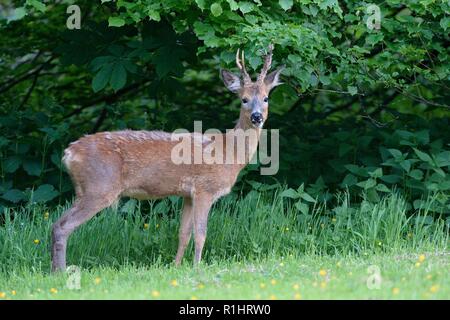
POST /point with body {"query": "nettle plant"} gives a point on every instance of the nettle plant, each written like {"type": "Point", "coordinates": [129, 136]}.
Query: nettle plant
{"type": "Point", "coordinates": [416, 168]}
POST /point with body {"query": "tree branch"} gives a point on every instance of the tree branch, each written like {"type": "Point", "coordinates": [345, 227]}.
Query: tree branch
{"type": "Point", "coordinates": [6, 86]}
{"type": "Point", "coordinates": [100, 120]}
{"type": "Point", "coordinates": [110, 98]}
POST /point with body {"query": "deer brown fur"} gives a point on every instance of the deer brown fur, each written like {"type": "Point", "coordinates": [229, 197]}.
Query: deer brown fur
{"type": "Point", "coordinates": [108, 165]}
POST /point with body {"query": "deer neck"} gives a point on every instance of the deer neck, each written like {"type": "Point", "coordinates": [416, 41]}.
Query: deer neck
{"type": "Point", "coordinates": [244, 126]}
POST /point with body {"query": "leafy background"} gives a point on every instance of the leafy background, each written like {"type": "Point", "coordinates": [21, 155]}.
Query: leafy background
{"type": "Point", "coordinates": [361, 111]}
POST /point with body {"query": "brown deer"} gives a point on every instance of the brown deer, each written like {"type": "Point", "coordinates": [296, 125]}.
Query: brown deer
{"type": "Point", "coordinates": [108, 165]}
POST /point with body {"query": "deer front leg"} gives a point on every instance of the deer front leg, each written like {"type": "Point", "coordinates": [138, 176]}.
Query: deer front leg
{"type": "Point", "coordinates": [186, 226]}
{"type": "Point", "coordinates": [202, 205]}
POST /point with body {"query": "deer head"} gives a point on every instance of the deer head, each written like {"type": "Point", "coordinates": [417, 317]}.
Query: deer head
{"type": "Point", "coordinates": [254, 95]}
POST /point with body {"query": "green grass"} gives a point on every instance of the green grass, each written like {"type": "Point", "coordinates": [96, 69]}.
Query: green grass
{"type": "Point", "coordinates": [129, 250]}
{"type": "Point", "coordinates": [344, 278]}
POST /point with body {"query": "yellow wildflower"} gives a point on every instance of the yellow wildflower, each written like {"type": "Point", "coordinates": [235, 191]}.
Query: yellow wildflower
{"type": "Point", "coordinates": [417, 264]}
{"type": "Point", "coordinates": [323, 284]}
{"type": "Point", "coordinates": [97, 280]}
{"type": "Point", "coordinates": [395, 291]}
{"type": "Point", "coordinates": [2, 295]}
{"type": "Point", "coordinates": [296, 286]}
{"type": "Point", "coordinates": [272, 297]}
{"type": "Point", "coordinates": [146, 226]}
{"type": "Point", "coordinates": [174, 283]}
{"type": "Point", "coordinates": [13, 292]}
{"type": "Point", "coordinates": [297, 296]}
{"type": "Point", "coordinates": [434, 288]}
{"type": "Point", "coordinates": [273, 282]}
{"type": "Point", "coordinates": [53, 290]}
{"type": "Point", "coordinates": [262, 285]}
{"type": "Point", "coordinates": [155, 294]}
{"type": "Point", "coordinates": [46, 214]}
{"type": "Point", "coordinates": [194, 298]}
{"type": "Point", "coordinates": [323, 272]}
{"type": "Point", "coordinates": [36, 241]}
{"type": "Point", "coordinates": [201, 286]}
{"type": "Point", "coordinates": [421, 258]}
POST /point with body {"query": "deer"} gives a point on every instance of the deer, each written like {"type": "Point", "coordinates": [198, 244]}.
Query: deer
{"type": "Point", "coordinates": [106, 166]}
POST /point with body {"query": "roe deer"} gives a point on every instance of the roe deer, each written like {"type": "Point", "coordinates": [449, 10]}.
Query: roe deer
{"type": "Point", "coordinates": [107, 165]}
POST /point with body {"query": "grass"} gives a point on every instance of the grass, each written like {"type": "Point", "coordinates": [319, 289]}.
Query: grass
{"type": "Point", "coordinates": [258, 247]}
{"type": "Point", "coordinates": [307, 277]}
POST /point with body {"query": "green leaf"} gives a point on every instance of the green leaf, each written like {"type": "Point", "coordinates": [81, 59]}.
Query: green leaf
{"type": "Point", "coordinates": [349, 180]}
{"type": "Point", "coordinates": [397, 154]}
{"type": "Point", "coordinates": [44, 193]}
{"type": "Point", "coordinates": [373, 196]}
{"type": "Point", "coordinates": [37, 5]}
{"type": "Point", "coordinates": [18, 14]}
{"type": "Point", "coordinates": [233, 5]}
{"type": "Point", "coordinates": [116, 22]}
{"type": "Point", "coordinates": [245, 7]}
{"type": "Point", "coordinates": [216, 9]}
{"type": "Point", "coordinates": [377, 173]}
{"type": "Point", "coordinates": [423, 156]}
{"type": "Point", "coordinates": [367, 184]}
{"type": "Point", "coordinates": [286, 4]}
{"type": "Point", "coordinates": [154, 15]}
{"type": "Point", "coordinates": [382, 188]}
{"type": "Point", "coordinates": [352, 90]}
{"type": "Point", "coordinates": [391, 178]}
{"type": "Point", "coordinates": [416, 174]}
{"type": "Point", "coordinates": [201, 4]}
{"type": "Point", "coordinates": [102, 77]}
{"type": "Point", "coordinates": [406, 165]}
{"type": "Point", "coordinates": [307, 197]}
{"type": "Point", "coordinates": [356, 170]}
{"type": "Point", "coordinates": [302, 207]}
{"type": "Point", "coordinates": [445, 23]}
{"type": "Point", "coordinates": [32, 167]}
{"type": "Point", "coordinates": [290, 193]}
{"type": "Point", "coordinates": [14, 195]}
{"type": "Point", "coordinates": [118, 77]}
{"type": "Point", "coordinates": [374, 38]}
{"type": "Point", "coordinates": [344, 148]}
{"type": "Point", "coordinates": [11, 164]}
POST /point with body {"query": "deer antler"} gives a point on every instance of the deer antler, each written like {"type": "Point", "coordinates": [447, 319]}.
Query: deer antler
{"type": "Point", "coordinates": [241, 65]}
{"type": "Point", "coordinates": [266, 66]}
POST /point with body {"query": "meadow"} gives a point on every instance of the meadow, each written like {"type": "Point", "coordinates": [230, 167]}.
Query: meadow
{"type": "Point", "coordinates": [259, 246]}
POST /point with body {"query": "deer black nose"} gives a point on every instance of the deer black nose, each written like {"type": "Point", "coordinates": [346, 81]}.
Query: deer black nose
{"type": "Point", "coordinates": [256, 118]}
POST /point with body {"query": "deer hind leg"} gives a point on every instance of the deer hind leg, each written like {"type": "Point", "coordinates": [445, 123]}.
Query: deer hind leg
{"type": "Point", "coordinates": [84, 208]}
{"type": "Point", "coordinates": [202, 205]}
{"type": "Point", "coordinates": [186, 226]}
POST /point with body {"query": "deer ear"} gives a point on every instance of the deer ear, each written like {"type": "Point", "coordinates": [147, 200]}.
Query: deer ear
{"type": "Point", "coordinates": [232, 81]}
{"type": "Point", "coordinates": [273, 79]}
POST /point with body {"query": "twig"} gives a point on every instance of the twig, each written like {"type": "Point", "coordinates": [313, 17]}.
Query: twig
{"type": "Point", "coordinates": [100, 120]}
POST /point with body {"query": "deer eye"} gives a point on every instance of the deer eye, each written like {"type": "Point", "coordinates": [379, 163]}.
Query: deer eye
{"type": "Point", "coordinates": [266, 99]}
{"type": "Point", "coordinates": [244, 100]}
